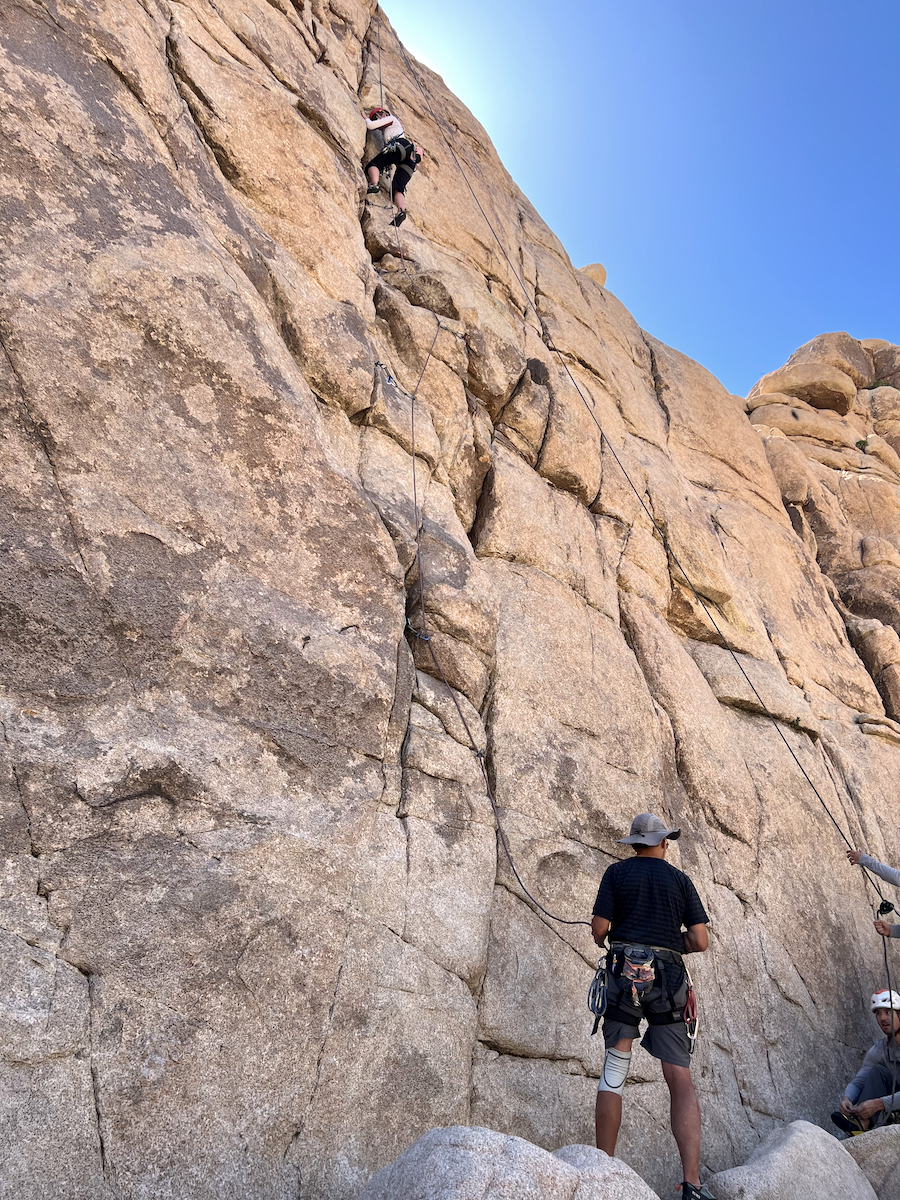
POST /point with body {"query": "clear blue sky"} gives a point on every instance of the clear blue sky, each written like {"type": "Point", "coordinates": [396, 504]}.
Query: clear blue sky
{"type": "Point", "coordinates": [734, 165]}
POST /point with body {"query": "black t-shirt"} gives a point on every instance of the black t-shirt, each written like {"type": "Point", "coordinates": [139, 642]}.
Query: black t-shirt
{"type": "Point", "coordinates": [647, 900]}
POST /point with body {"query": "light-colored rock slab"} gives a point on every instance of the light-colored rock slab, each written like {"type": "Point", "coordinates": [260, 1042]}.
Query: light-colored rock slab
{"type": "Point", "coordinates": [878, 1154]}
{"type": "Point", "coordinates": [842, 351]}
{"type": "Point", "coordinates": [819, 384]}
{"type": "Point", "coordinates": [477, 1164]}
{"type": "Point", "coordinates": [797, 1162]}
{"type": "Point", "coordinates": [756, 686]}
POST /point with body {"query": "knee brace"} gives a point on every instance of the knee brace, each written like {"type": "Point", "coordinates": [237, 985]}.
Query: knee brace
{"type": "Point", "coordinates": [615, 1071]}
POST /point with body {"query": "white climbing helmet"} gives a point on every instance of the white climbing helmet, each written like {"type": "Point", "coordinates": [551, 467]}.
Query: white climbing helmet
{"type": "Point", "coordinates": [885, 999]}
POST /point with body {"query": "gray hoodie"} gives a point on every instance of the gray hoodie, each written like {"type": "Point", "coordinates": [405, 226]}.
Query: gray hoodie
{"type": "Point", "coordinates": [877, 1056]}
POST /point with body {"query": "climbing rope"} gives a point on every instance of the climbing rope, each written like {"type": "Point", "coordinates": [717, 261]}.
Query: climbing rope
{"type": "Point", "coordinates": [423, 633]}
{"type": "Point", "coordinates": [596, 996]}
{"type": "Point", "coordinates": [380, 87]}
{"type": "Point", "coordinates": [605, 441]}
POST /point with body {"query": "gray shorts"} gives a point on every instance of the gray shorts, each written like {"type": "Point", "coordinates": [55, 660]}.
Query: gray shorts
{"type": "Point", "coordinates": [669, 1043]}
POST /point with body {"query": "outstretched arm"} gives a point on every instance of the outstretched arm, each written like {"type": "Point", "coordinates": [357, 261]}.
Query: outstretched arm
{"type": "Point", "coordinates": [380, 123]}
{"type": "Point", "coordinates": [696, 939]}
{"type": "Point", "coordinates": [888, 874]}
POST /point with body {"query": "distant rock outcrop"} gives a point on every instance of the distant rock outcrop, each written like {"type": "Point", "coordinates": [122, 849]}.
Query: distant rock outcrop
{"type": "Point", "coordinates": [255, 935]}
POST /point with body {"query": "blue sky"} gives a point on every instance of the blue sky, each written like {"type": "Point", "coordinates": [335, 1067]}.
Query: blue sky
{"type": "Point", "coordinates": [735, 166]}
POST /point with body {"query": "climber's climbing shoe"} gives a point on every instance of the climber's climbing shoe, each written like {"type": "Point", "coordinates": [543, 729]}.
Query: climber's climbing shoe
{"type": "Point", "coordinates": [690, 1191]}
{"type": "Point", "coordinates": [399, 219]}
{"type": "Point", "coordinates": [372, 189]}
{"type": "Point", "coordinates": [851, 1125]}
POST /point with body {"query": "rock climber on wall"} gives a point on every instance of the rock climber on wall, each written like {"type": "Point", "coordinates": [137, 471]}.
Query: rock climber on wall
{"type": "Point", "coordinates": [653, 916]}
{"type": "Point", "coordinates": [398, 152]}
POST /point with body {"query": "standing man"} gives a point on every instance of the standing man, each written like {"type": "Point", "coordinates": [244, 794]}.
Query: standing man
{"type": "Point", "coordinates": [653, 916]}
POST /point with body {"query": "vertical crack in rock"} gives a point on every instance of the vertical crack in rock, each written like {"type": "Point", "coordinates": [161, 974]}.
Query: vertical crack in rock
{"type": "Point", "coordinates": [660, 386]}
{"type": "Point", "coordinates": [317, 1075]}
{"type": "Point", "coordinates": [105, 1164]}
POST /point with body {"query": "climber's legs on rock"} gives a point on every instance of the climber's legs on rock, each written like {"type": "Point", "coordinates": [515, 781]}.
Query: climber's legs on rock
{"type": "Point", "coordinates": [685, 1112]}
{"type": "Point", "coordinates": [373, 175]}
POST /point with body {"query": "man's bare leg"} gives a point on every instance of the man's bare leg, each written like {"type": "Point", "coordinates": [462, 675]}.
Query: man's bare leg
{"type": "Point", "coordinates": [685, 1113]}
{"type": "Point", "coordinates": [608, 1112]}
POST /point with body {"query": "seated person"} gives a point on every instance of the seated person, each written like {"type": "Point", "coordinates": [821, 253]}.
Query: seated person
{"type": "Point", "coordinates": [873, 1096]}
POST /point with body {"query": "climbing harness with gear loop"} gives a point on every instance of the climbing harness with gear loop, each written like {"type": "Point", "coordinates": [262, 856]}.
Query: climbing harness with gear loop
{"type": "Point", "coordinates": [597, 994]}
{"type": "Point", "coordinates": [638, 965]}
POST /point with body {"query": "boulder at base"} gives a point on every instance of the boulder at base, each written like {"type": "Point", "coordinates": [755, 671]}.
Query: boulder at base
{"type": "Point", "coordinates": [478, 1164]}
{"type": "Point", "coordinates": [878, 1154]}
{"type": "Point", "coordinates": [796, 1162]}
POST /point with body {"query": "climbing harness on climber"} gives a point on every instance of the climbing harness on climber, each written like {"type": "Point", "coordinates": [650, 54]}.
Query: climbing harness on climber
{"type": "Point", "coordinates": [397, 152]}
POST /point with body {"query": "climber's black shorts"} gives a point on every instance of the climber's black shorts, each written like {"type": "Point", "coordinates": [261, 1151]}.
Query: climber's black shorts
{"type": "Point", "coordinates": [390, 157]}
{"type": "Point", "coordinates": [667, 1042]}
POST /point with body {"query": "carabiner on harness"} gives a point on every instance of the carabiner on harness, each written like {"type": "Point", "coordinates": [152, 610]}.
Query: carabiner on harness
{"type": "Point", "coordinates": [597, 994]}
{"type": "Point", "coordinates": [691, 1013]}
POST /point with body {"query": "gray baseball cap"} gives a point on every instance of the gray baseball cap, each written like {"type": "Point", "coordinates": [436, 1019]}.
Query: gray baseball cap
{"type": "Point", "coordinates": [648, 830]}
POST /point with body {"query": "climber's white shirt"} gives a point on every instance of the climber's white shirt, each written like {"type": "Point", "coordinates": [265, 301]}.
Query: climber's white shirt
{"type": "Point", "coordinates": [390, 127]}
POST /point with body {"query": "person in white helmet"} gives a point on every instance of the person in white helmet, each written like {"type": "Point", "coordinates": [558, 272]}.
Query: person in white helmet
{"type": "Point", "coordinates": [872, 1097]}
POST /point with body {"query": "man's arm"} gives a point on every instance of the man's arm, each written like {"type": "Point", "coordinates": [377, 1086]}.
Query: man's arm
{"type": "Point", "coordinates": [888, 874]}
{"type": "Point", "coordinates": [599, 928]}
{"type": "Point", "coordinates": [696, 939]}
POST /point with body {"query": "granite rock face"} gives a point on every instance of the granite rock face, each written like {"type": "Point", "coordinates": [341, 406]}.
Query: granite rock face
{"type": "Point", "coordinates": [478, 1164]}
{"type": "Point", "coordinates": [878, 1154]}
{"type": "Point", "coordinates": [797, 1162]}
{"type": "Point", "coordinates": [255, 933]}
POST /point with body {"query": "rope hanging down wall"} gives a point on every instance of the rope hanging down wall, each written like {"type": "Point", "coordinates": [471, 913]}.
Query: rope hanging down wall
{"type": "Point", "coordinates": [424, 634]}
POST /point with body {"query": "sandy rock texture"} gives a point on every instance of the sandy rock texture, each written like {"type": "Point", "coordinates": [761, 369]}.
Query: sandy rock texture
{"type": "Point", "coordinates": [255, 933]}
{"type": "Point", "coordinates": [797, 1162]}
{"type": "Point", "coordinates": [878, 1154]}
{"type": "Point", "coordinates": [479, 1164]}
